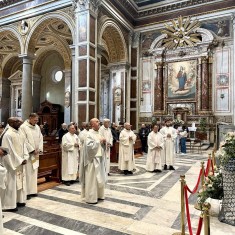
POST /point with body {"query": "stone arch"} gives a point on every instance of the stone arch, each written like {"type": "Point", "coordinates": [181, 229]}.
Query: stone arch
{"type": "Point", "coordinates": [58, 46]}
{"type": "Point", "coordinates": [42, 55]}
{"type": "Point", "coordinates": [111, 33]}
{"type": "Point", "coordinates": [40, 24]}
{"type": "Point", "coordinates": [10, 65]}
{"type": "Point", "coordinates": [14, 30]}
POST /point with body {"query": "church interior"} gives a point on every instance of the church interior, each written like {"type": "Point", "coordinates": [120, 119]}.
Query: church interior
{"type": "Point", "coordinates": [135, 61]}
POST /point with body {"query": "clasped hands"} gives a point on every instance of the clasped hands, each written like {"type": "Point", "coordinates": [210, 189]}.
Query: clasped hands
{"type": "Point", "coordinates": [158, 147]}
{"type": "Point", "coordinates": [76, 145]}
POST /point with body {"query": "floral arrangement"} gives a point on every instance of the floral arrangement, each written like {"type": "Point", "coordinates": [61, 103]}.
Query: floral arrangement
{"type": "Point", "coordinates": [227, 149]}
{"type": "Point", "coordinates": [178, 122]}
{"type": "Point", "coordinates": [213, 188]}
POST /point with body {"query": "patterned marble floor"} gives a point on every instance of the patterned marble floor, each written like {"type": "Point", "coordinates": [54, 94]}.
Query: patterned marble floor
{"type": "Point", "coordinates": [141, 204]}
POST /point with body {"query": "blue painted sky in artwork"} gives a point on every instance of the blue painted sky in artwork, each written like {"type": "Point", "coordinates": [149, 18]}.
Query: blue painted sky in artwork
{"type": "Point", "coordinates": [141, 3]}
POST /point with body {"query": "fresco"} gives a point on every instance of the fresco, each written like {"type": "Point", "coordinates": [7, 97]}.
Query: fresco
{"type": "Point", "coordinates": [220, 28]}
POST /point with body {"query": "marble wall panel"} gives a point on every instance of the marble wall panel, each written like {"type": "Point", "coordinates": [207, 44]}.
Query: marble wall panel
{"type": "Point", "coordinates": [82, 50]}
{"type": "Point", "coordinates": [133, 57]}
{"type": "Point", "coordinates": [92, 51]}
{"type": "Point", "coordinates": [82, 95]}
{"type": "Point", "coordinates": [133, 73]}
{"type": "Point", "coordinates": [91, 96]}
{"type": "Point", "coordinates": [92, 74]}
{"type": "Point", "coordinates": [82, 73]}
{"type": "Point", "coordinates": [133, 88]}
{"type": "Point", "coordinates": [92, 29]}
{"type": "Point", "coordinates": [82, 113]}
{"type": "Point", "coordinates": [133, 120]}
{"type": "Point", "coordinates": [91, 111]}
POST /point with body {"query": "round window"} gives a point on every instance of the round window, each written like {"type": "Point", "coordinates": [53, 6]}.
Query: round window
{"type": "Point", "coordinates": [57, 75]}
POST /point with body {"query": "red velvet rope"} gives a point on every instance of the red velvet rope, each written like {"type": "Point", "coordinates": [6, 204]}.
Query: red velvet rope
{"type": "Point", "coordinates": [199, 228]}
{"type": "Point", "coordinates": [196, 187]}
{"type": "Point", "coordinates": [187, 211]}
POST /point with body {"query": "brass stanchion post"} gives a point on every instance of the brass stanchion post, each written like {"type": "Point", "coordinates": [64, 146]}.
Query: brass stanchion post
{"type": "Point", "coordinates": [213, 158]}
{"type": "Point", "coordinates": [206, 218]}
{"type": "Point", "coordinates": [209, 157]}
{"type": "Point", "coordinates": [182, 180]}
{"type": "Point", "coordinates": [197, 205]}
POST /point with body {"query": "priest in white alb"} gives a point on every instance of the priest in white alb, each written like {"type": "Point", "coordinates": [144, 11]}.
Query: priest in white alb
{"type": "Point", "coordinates": [93, 178]}
{"type": "Point", "coordinates": [3, 179]}
{"type": "Point", "coordinates": [106, 133]}
{"type": "Point", "coordinates": [34, 143]}
{"type": "Point", "coordinates": [82, 137]}
{"type": "Point", "coordinates": [70, 156]}
{"type": "Point", "coordinates": [169, 134]}
{"type": "Point", "coordinates": [155, 146]}
{"type": "Point", "coordinates": [15, 193]}
{"type": "Point", "coordinates": [126, 160]}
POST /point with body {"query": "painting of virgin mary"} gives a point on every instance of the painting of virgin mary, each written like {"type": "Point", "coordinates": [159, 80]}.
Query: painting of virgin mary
{"type": "Point", "coordinates": [182, 80]}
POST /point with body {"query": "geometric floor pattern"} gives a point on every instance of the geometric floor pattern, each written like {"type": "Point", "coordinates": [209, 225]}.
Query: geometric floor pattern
{"type": "Point", "coordinates": [144, 203]}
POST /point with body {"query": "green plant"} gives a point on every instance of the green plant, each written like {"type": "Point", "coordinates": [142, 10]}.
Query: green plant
{"type": "Point", "coordinates": [212, 188]}
{"type": "Point", "coordinates": [202, 124]}
{"type": "Point", "coordinates": [226, 150]}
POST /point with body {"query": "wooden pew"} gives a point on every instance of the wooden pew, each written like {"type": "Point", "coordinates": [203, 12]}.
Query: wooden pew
{"type": "Point", "coordinates": [50, 166]}
{"type": "Point", "coordinates": [137, 150]}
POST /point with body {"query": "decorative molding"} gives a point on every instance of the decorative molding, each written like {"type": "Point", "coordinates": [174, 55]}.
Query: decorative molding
{"type": "Point", "coordinates": [7, 3]}
{"type": "Point", "coordinates": [82, 5]}
{"type": "Point", "coordinates": [172, 7]}
{"type": "Point", "coordinates": [135, 12]}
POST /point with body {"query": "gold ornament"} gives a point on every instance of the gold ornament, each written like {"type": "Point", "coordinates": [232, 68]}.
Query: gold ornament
{"type": "Point", "coordinates": [181, 33]}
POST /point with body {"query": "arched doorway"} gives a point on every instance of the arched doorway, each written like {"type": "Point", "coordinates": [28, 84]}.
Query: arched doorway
{"type": "Point", "coordinates": [114, 72]}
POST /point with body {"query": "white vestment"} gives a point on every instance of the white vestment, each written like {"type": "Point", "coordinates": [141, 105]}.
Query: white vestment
{"type": "Point", "coordinates": [154, 154]}
{"type": "Point", "coordinates": [82, 137]}
{"type": "Point", "coordinates": [34, 141]}
{"type": "Point", "coordinates": [107, 134]}
{"type": "Point", "coordinates": [16, 181]}
{"type": "Point", "coordinates": [169, 152]}
{"type": "Point", "coordinates": [70, 157]}
{"type": "Point", "coordinates": [126, 160]}
{"type": "Point", "coordinates": [3, 179]}
{"type": "Point", "coordinates": [93, 177]}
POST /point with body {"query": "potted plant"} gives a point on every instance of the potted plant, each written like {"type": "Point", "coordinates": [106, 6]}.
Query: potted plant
{"type": "Point", "coordinates": [212, 192]}
{"type": "Point", "coordinates": [226, 152]}
{"type": "Point", "coordinates": [226, 156]}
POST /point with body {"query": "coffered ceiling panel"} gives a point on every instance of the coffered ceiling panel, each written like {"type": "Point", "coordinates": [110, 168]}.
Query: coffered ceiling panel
{"type": "Point", "coordinates": [144, 3]}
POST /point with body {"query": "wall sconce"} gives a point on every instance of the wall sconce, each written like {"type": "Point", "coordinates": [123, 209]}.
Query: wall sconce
{"type": "Point", "coordinates": [221, 96]}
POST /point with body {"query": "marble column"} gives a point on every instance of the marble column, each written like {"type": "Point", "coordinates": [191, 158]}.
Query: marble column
{"type": "Point", "coordinates": [27, 98]}
{"type": "Point", "coordinates": [36, 92]}
{"type": "Point", "coordinates": [132, 86]}
{"type": "Point", "coordinates": [158, 88]}
{"type": "Point", "coordinates": [205, 85]}
{"type": "Point", "coordinates": [74, 85]}
{"type": "Point", "coordinates": [67, 88]}
{"type": "Point", "coordinates": [86, 59]}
